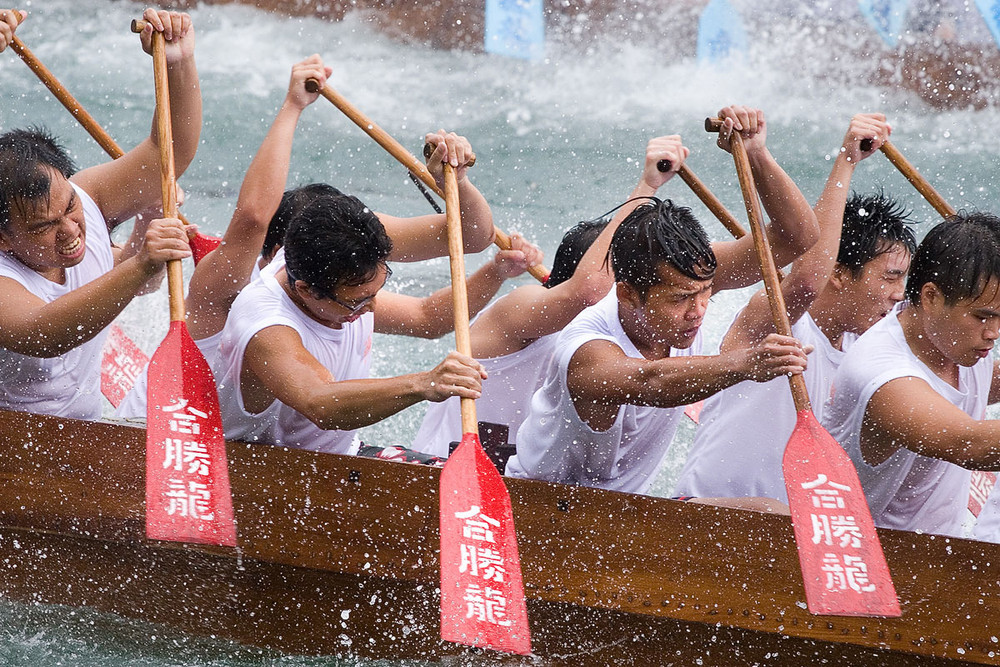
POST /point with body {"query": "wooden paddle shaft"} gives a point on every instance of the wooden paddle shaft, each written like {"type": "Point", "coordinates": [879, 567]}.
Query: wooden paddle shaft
{"type": "Point", "coordinates": [711, 202]}
{"type": "Point", "coordinates": [385, 140]}
{"type": "Point", "coordinates": [168, 179]}
{"type": "Point", "coordinates": [917, 180]}
{"type": "Point", "coordinates": [779, 312]}
{"type": "Point", "coordinates": [459, 293]}
{"type": "Point", "coordinates": [707, 198]}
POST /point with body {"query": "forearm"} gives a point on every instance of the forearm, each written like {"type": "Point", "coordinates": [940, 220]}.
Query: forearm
{"type": "Point", "coordinates": [665, 383]}
{"type": "Point", "coordinates": [434, 316]}
{"type": "Point", "coordinates": [477, 218]}
{"type": "Point", "coordinates": [74, 318]}
{"type": "Point", "coordinates": [264, 183]}
{"type": "Point", "coordinates": [679, 381]}
{"type": "Point", "coordinates": [351, 404]}
{"type": "Point", "coordinates": [185, 111]}
{"type": "Point", "coordinates": [793, 228]}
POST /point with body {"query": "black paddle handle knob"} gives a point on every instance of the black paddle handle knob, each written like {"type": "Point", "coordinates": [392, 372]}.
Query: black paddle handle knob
{"type": "Point", "coordinates": [866, 145]}
{"type": "Point", "coordinates": [664, 166]}
{"type": "Point", "coordinates": [312, 85]}
{"type": "Point", "coordinates": [428, 150]}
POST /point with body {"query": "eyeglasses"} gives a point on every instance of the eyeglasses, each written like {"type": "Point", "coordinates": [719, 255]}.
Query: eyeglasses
{"type": "Point", "coordinates": [352, 309]}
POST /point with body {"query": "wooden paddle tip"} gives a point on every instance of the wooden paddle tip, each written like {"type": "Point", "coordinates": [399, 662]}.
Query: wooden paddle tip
{"type": "Point", "coordinates": [713, 124]}
{"type": "Point", "coordinates": [312, 85]}
{"type": "Point", "coordinates": [138, 25]}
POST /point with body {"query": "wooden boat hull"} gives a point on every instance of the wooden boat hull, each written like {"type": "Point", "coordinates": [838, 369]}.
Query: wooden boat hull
{"type": "Point", "coordinates": [338, 555]}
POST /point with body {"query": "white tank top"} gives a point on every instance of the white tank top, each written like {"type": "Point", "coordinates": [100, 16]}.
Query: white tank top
{"type": "Point", "coordinates": [553, 444]}
{"type": "Point", "coordinates": [737, 453]}
{"type": "Point", "coordinates": [68, 385]}
{"type": "Point", "coordinates": [346, 352]}
{"type": "Point", "coordinates": [506, 395]}
{"type": "Point", "coordinates": [906, 491]}
{"type": "Point", "coordinates": [133, 406]}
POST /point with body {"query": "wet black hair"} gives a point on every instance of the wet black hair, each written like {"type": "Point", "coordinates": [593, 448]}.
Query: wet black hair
{"type": "Point", "coordinates": [292, 202]}
{"type": "Point", "coordinates": [27, 159]}
{"type": "Point", "coordinates": [658, 232]}
{"type": "Point", "coordinates": [874, 224]}
{"type": "Point", "coordinates": [959, 255]}
{"type": "Point", "coordinates": [333, 241]}
{"type": "Point", "coordinates": [574, 245]}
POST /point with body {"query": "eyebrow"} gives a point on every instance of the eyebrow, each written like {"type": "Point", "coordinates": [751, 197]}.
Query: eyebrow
{"type": "Point", "coordinates": [49, 221]}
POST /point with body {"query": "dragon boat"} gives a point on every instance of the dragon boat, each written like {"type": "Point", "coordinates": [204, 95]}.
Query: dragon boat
{"type": "Point", "coordinates": [339, 555]}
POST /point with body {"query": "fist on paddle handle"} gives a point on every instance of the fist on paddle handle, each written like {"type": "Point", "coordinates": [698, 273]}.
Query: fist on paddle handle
{"type": "Point", "coordinates": [178, 33]}
{"type": "Point", "coordinates": [457, 375]}
{"type": "Point", "coordinates": [522, 255]}
{"type": "Point", "coordinates": [166, 239]}
{"type": "Point", "coordinates": [9, 20]}
{"type": "Point", "coordinates": [866, 134]}
{"type": "Point", "coordinates": [749, 122]}
{"type": "Point", "coordinates": [451, 148]}
{"type": "Point", "coordinates": [308, 78]}
{"type": "Point", "coordinates": [776, 356]}
{"type": "Point", "coordinates": [664, 156]}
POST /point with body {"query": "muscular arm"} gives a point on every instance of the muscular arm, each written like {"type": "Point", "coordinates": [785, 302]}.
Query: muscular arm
{"type": "Point", "coordinates": [426, 236]}
{"type": "Point", "coordinates": [277, 366]}
{"type": "Point", "coordinates": [811, 271]}
{"type": "Point", "coordinates": [601, 377]}
{"type": "Point", "coordinates": [434, 316]}
{"type": "Point", "coordinates": [792, 229]}
{"type": "Point", "coordinates": [124, 187]}
{"type": "Point", "coordinates": [35, 328]}
{"type": "Point", "coordinates": [532, 311]}
{"type": "Point", "coordinates": [907, 412]}
{"type": "Point", "coordinates": [220, 275]}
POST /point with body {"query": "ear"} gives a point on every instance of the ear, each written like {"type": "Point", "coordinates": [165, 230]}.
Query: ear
{"type": "Point", "coordinates": [839, 276]}
{"type": "Point", "coordinates": [931, 296]}
{"type": "Point", "coordinates": [628, 295]}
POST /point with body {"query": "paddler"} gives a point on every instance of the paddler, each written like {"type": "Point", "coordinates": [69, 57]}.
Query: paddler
{"type": "Point", "coordinates": [834, 292]}
{"type": "Point", "coordinates": [62, 282]}
{"type": "Point", "coordinates": [911, 394]}
{"type": "Point", "coordinates": [296, 349]}
{"type": "Point", "coordinates": [624, 368]}
{"type": "Point", "coordinates": [515, 336]}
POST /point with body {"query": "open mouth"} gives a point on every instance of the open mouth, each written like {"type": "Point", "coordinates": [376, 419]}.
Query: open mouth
{"type": "Point", "coordinates": [72, 248]}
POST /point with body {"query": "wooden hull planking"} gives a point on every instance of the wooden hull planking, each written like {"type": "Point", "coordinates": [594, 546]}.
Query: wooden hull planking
{"type": "Point", "coordinates": [338, 555]}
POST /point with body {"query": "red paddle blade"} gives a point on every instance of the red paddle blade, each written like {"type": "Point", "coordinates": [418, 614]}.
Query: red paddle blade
{"type": "Point", "coordinates": [201, 245]}
{"type": "Point", "coordinates": [121, 363]}
{"type": "Point", "coordinates": [187, 478]}
{"type": "Point", "coordinates": [482, 597]}
{"type": "Point", "coordinates": [843, 567]}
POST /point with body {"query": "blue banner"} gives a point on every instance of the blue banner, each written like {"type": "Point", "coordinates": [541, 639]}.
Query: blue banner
{"type": "Point", "coordinates": [887, 17]}
{"type": "Point", "coordinates": [515, 28]}
{"type": "Point", "coordinates": [990, 9]}
{"type": "Point", "coordinates": [720, 32]}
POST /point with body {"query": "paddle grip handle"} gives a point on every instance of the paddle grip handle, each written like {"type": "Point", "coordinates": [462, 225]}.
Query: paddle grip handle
{"type": "Point", "coordinates": [428, 150]}
{"type": "Point", "coordinates": [713, 124]}
{"type": "Point", "coordinates": [866, 145]}
{"type": "Point", "coordinates": [138, 25]}
{"type": "Point", "coordinates": [663, 166]}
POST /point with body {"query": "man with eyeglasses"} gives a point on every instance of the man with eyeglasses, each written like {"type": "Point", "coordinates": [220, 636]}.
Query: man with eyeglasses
{"type": "Point", "coordinates": [295, 352]}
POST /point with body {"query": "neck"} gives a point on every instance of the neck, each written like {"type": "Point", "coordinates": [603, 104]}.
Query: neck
{"type": "Point", "coordinates": [634, 325]}
{"type": "Point", "coordinates": [914, 329]}
{"type": "Point", "coordinates": [832, 318]}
